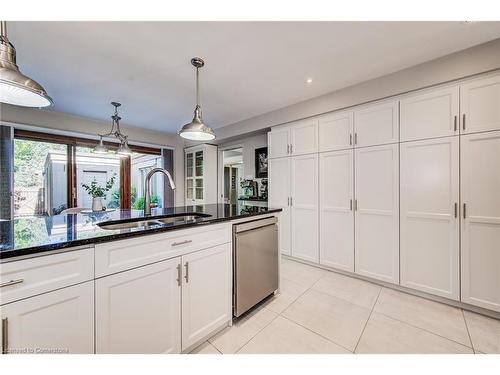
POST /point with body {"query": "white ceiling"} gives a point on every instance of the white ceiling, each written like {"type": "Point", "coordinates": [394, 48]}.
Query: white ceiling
{"type": "Point", "coordinates": [251, 67]}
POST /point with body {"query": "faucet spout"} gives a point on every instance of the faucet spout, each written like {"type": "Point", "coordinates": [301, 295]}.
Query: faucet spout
{"type": "Point", "coordinates": [147, 183]}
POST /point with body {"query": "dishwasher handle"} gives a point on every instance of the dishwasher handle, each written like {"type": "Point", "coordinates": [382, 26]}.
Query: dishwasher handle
{"type": "Point", "coordinates": [255, 224]}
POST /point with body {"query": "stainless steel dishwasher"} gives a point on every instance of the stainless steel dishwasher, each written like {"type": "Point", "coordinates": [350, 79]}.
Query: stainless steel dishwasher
{"type": "Point", "coordinates": [255, 263]}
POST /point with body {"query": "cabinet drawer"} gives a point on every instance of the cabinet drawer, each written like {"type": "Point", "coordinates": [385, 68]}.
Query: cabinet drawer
{"type": "Point", "coordinates": [122, 255]}
{"type": "Point", "coordinates": [29, 277]}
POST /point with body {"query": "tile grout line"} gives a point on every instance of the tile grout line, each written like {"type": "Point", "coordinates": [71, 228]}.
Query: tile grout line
{"type": "Point", "coordinates": [367, 320]}
{"type": "Point", "coordinates": [256, 333]}
{"type": "Point", "coordinates": [468, 333]}
{"type": "Point", "coordinates": [423, 329]}
{"type": "Point", "coordinates": [318, 334]}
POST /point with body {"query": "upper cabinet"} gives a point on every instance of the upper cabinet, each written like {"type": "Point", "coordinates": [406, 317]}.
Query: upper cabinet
{"type": "Point", "coordinates": [278, 141]}
{"type": "Point", "coordinates": [335, 131]}
{"type": "Point", "coordinates": [430, 114]}
{"type": "Point", "coordinates": [480, 105]}
{"type": "Point", "coordinates": [304, 137]}
{"type": "Point", "coordinates": [376, 124]}
{"type": "Point", "coordinates": [299, 138]}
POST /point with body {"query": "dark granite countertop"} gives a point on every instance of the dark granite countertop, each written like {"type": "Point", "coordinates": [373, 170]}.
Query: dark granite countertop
{"type": "Point", "coordinates": [258, 199]}
{"type": "Point", "coordinates": [40, 234]}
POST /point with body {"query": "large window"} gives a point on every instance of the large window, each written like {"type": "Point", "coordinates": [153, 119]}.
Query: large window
{"type": "Point", "coordinates": [40, 176]}
{"type": "Point", "coordinates": [49, 171]}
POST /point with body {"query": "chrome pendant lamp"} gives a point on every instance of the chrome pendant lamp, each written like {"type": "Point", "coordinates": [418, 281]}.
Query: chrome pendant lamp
{"type": "Point", "coordinates": [15, 87]}
{"type": "Point", "coordinates": [197, 130]}
{"type": "Point", "coordinates": [115, 131]}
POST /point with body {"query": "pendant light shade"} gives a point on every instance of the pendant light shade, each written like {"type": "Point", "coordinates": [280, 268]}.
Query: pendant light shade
{"type": "Point", "coordinates": [100, 148]}
{"type": "Point", "coordinates": [197, 130]}
{"type": "Point", "coordinates": [15, 87]}
{"type": "Point", "coordinates": [124, 149]}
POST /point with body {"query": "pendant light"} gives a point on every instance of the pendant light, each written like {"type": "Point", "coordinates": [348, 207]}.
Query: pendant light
{"type": "Point", "coordinates": [15, 87]}
{"type": "Point", "coordinates": [123, 149]}
{"type": "Point", "coordinates": [196, 130]}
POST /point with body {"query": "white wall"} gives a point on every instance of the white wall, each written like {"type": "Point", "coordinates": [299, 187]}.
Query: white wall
{"type": "Point", "coordinates": [58, 121]}
{"type": "Point", "coordinates": [475, 60]}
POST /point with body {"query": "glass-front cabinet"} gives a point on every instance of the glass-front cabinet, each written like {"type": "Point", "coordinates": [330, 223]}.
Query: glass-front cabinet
{"type": "Point", "coordinates": [201, 174]}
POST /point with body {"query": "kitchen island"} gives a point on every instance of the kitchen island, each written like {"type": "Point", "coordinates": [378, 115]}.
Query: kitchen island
{"type": "Point", "coordinates": [160, 285]}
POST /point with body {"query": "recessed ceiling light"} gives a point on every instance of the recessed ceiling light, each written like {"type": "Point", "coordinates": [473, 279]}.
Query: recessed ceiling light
{"type": "Point", "coordinates": [309, 80]}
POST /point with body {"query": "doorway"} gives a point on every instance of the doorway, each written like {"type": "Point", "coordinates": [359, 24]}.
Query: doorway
{"type": "Point", "coordinates": [232, 164]}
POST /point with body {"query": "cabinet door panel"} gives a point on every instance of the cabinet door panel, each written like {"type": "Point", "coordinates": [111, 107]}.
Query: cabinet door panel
{"type": "Point", "coordinates": [206, 293]}
{"type": "Point", "coordinates": [61, 321]}
{"type": "Point", "coordinates": [335, 131]}
{"type": "Point", "coordinates": [278, 142]}
{"type": "Point", "coordinates": [279, 194]}
{"type": "Point", "coordinates": [429, 227]}
{"type": "Point", "coordinates": [376, 124]}
{"type": "Point", "coordinates": [377, 215]}
{"type": "Point", "coordinates": [336, 214]}
{"type": "Point", "coordinates": [480, 187]}
{"type": "Point", "coordinates": [430, 114]}
{"type": "Point", "coordinates": [304, 207]}
{"type": "Point", "coordinates": [304, 137]}
{"type": "Point", "coordinates": [480, 104]}
{"type": "Point", "coordinates": [138, 311]}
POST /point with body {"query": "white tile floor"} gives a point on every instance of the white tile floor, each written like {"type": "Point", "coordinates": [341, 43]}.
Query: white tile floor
{"type": "Point", "coordinates": [320, 311]}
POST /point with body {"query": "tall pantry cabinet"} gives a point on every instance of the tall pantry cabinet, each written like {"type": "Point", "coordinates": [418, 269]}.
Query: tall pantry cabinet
{"type": "Point", "coordinates": [408, 190]}
{"type": "Point", "coordinates": [294, 168]}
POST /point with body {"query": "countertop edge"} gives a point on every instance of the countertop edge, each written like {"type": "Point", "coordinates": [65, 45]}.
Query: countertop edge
{"type": "Point", "coordinates": [9, 254]}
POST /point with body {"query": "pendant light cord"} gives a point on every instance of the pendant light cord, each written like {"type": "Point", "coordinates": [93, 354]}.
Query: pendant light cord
{"type": "Point", "coordinates": [197, 87]}
{"type": "Point", "coordinates": [3, 31]}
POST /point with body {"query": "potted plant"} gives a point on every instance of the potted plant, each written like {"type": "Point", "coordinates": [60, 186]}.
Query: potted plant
{"type": "Point", "coordinates": [97, 192]}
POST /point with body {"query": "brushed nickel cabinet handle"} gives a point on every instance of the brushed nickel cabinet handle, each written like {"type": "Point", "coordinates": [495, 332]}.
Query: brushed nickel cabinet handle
{"type": "Point", "coordinates": [179, 274]}
{"type": "Point", "coordinates": [291, 149]}
{"type": "Point", "coordinates": [463, 121]}
{"type": "Point", "coordinates": [350, 139]}
{"type": "Point", "coordinates": [355, 138]}
{"type": "Point", "coordinates": [464, 211]}
{"type": "Point", "coordinates": [455, 124]}
{"type": "Point", "coordinates": [355, 205]}
{"type": "Point", "coordinates": [11, 282]}
{"type": "Point", "coordinates": [187, 272]}
{"type": "Point", "coordinates": [456, 210]}
{"type": "Point", "coordinates": [181, 243]}
{"type": "Point", "coordinates": [5, 336]}
{"type": "Point", "coordinates": [291, 201]}
{"type": "Point", "coordinates": [350, 204]}
{"type": "Point", "coordinates": [287, 149]}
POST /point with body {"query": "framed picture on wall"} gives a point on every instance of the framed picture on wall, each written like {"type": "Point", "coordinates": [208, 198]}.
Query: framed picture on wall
{"type": "Point", "coordinates": [261, 162]}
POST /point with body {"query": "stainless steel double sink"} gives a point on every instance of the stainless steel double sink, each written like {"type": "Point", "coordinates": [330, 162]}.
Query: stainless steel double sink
{"type": "Point", "coordinates": [151, 222]}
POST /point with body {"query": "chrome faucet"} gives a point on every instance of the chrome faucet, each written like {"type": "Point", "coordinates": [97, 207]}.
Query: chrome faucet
{"type": "Point", "coordinates": [147, 182]}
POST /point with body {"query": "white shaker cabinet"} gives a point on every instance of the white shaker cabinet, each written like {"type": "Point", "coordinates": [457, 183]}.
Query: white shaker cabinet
{"type": "Point", "coordinates": [278, 140]}
{"type": "Point", "coordinates": [139, 310]}
{"type": "Point", "coordinates": [304, 207]}
{"type": "Point", "coordinates": [304, 137]}
{"type": "Point", "coordinates": [377, 212]}
{"type": "Point", "coordinates": [336, 209]}
{"type": "Point", "coordinates": [206, 293]}
{"type": "Point", "coordinates": [480, 105]}
{"type": "Point", "coordinates": [430, 114]}
{"type": "Point", "coordinates": [429, 216]}
{"type": "Point", "coordinates": [335, 131]}
{"type": "Point", "coordinates": [376, 124]}
{"type": "Point", "coordinates": [480, 211]}
{"type": "Point", "coordinates": [61, 321]}
{"type": "Point", "coordinates": [279, 197]}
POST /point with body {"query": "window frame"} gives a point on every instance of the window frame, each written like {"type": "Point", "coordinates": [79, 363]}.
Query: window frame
{"type": "Point", "coordinates": [72, 142]}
